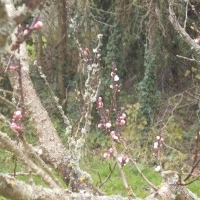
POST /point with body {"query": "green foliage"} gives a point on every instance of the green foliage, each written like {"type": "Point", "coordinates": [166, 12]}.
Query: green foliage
{"type": "Point", "coordinates": [194, 73]}
{"type": "Point", "coordinates": [99, 168]}
{"type": "Point", "coordinates": [2, 198]}
{"type": "Point", "coordinates": [148, 93]}
{"type": "Point", "coordinates": [114, 47]}
{"type": "Point", "coordinates": [135, 122]}
{"type": "Point", "coordinates": [31, 49]}
{"type": "Point", "coordinates": [194, 187]}
{"type": "Point", "coordinates": [112, 53]}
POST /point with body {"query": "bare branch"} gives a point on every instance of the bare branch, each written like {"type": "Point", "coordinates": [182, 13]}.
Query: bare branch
{"type": "Point", "coordinates": [12, 147]}
{"type": "Point", "coordinates": [174, 21]}
{"type": "Point", "coordinates": [7, 103]}
{"type": "Point", "coordinates": [109, 175]}
{"type": "Point", "coordinates": [18, 190]}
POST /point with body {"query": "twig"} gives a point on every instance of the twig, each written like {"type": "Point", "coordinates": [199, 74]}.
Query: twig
{"type": "Point", "coordinates": [138, 169]}
{"type": "Point", "coordinates": [59, 107]}
{"type": "Point", "coordinates": [6, 91]}
{"type": "Point", "coordinates": [196, 161]}
{"type": "Point", "coordinates": [10, 58]}
{"type": "Point", "coordinates": [194, 10]}
{"type": "Point", "coordinates": [186, 58]}
{"type": "Point", "coordinates": [109, 175]}
{"type": "Point", "coordinates": [188, 183]}
{"type": "Point", "coordinates": [11, 146]}
{"type": "Point", "coordinates": [7, 103]}
{"type": "Point", "coordinates": [123, 176]}
{"type": "Point", "coordinates": [142, 175]}
{"type": "Point", "coordinates": [186, 15]}
{"type": "Point", "coordinates": [22, 174]}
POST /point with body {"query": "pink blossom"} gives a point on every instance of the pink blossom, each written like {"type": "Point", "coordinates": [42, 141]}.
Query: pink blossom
{"type": "Point", "coordinates": [158, 137]}
{"type": "Point", "coordinates": [123, 116]}
{"type": "Point", "coordinates": [99, 98]}
{"type": "Point", "coordinates": [100, 125]}
{"type": "Point", "coordinates": [12, 68]}
{"type": "Point", "coordinates": [108, 111]}
{"type": "Point", "coordinates": [116, 78]}
{"type": "Point", "coordinates": [108, 125]}
{"type": "Point", "coordinates": [38, 25]}
{"type": "Point", "coordinates": [100, 104]}
{"type": "Point", "coordinates": [86, 53]}
{"type": "Point", "coordinates": [158, 168]}
{"type": "Point", "coordinates": [17, 115]}
{"type": "Point", "coordinates": [155, 145]}
{"type": "Point", "coordinates": [122, 122]}
{"type": "Point", "coordinates": [123, 160]}
{"type": "Point", "coordinates": [25, 32]}
{"type": "Point", "coordinates": [120, 159]}
{"type": "Point", "coordinates": [110, 150]}
{"type": "Point", "coordinates": [113, 135]}
{"type": "Point", "coordinates": [15, 126]}
{"type": "Point", "coordinates": [106, 155]}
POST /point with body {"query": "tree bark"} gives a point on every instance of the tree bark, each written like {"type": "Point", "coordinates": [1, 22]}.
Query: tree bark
{"type": "Point", "coordinates": [49, 141]}
{"type": "Point", "coordinates": [18, 190]}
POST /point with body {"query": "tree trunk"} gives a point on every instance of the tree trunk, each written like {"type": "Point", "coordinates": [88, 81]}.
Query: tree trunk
{"type": "Point", "coordinates": [62, 46]}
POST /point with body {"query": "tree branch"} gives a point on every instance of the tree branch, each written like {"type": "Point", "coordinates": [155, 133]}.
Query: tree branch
{"type": "Point", "coordinates": [180, 30]}
{"type": "Point", "coordinates": [7, 103]}
{"type": "Point", "coordinates": [18, 190]}
{"type": "Point", "coordinates": [12, 147]}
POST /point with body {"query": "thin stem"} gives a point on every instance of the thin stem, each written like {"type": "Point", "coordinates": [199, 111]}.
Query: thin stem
{"type": "Point", "coordinates": [196, 161]}
{"type": "Point", "coordinates": [186, 16]}
{"type": "Point", "coordinates": [122, 174]}
{"type": "Point", "coordinates": [109, 175]}
{"type": "Point", "coordinates": [138, 169]}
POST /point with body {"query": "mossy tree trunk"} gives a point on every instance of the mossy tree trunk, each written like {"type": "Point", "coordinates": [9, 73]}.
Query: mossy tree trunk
{"type": "Point", "coordinates": [147, 87]}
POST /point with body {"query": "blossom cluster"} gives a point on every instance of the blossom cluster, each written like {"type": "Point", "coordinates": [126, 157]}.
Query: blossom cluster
{"type": "Point", "coordinates": [158, 143]}
{"type": "Point", "coordinates": [23, 33]}
{"type": "Point", "coordinates": [16, 122]}
{"type": "Point", "coordinates": [105, 121]}
{"type": "Point", "coordinates": [12, 68]}
{"type": "Point", "coordinates": [156, 149]}
{"type": "Point", "coordinates": [108, 154]}
{"type": "Point", "coordinates": [112, 120]}
{"type": "Point", "coordinates": [157, 168]}
{"type": "Point", "coordinates": [115, 86]}
{"type": "Point", "coordinates": [122, 159]}
{"type": "Point", "coordinates": [36, 26]}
